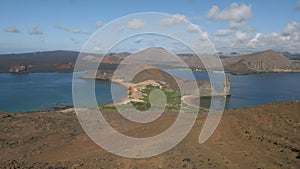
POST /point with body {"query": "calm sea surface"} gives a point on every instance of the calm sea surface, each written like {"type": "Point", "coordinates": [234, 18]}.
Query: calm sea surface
{"type": "Point", "coordinates": [44, 91]}
{"type": "Point", "coordinates": [254, 89]}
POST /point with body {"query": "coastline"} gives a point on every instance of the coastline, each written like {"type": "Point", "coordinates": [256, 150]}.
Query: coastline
{"type": "Point", "coordinates": [188, 100]}
{"type": "Point", "coordinates": [233, 73]}
{"type": "Point", "coordinates": [124, 100]}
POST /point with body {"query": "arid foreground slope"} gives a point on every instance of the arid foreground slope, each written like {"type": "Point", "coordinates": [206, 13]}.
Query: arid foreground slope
{"type": "Point", "coordinates": [266, 136]}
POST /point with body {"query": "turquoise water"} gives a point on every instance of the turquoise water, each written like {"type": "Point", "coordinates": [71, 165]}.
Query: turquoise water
{"type": "Point", "coordinates": [44, 91]}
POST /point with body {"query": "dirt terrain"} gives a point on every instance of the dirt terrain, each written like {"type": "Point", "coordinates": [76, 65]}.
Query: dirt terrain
{"type": "Point", "coordinates": [266, 136]}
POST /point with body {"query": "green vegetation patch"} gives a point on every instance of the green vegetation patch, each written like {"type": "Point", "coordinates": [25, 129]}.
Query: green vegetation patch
{"type": "Point", "coordinates": [173, 98]}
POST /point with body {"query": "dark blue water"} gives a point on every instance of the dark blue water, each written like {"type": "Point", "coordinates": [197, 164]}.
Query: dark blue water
{"type": "Point", "coordinates": [254, 89]}
{"type": "Point", "coordinates": [45, 91]}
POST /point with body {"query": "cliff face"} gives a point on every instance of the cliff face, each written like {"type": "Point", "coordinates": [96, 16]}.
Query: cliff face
{"type": "Point", "coordinates": [65, 66]}
{"type": "Point", "coordinates": [226, 86]}
{"type": "Point", "coordinates": [20, 68]}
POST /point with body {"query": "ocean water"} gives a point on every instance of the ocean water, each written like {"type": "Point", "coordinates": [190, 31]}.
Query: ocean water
{"type": "Point", "coordinates": [253, 89]}
{"type": "Point", "coordinates": [43, 91]}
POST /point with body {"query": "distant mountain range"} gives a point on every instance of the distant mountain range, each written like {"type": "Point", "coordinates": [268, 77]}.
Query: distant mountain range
{"type": "Point", "coordinates": [63, 61]}
{"type": "Point", "coordinates": [40, 61]}
{"type": "Point", "coordinates": [292, 56]}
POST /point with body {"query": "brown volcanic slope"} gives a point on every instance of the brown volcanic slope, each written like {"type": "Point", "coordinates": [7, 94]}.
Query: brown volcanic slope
{"type": "Point", "coordinates": [157, 56]}
{"type": "Point", "coordinates": [194, 62]}
{"type": "Point", "coordinates": [266, 136]}
{"type": "Point", "coordinates": [172, 82]}
{"type": "Point", "coordinates": [111, 59]}
{"type": "Point", "coordinates": [266, 61]}
{"type": "Point", "coordinates": [163, 58]}
{"type": "Point", "coordinates": [155, 74]}
{"type": "Point", "coordinates": [147, 73]}
{"type": "Point", "coordinates": [154, 54]}
{"type": "Point", "coordinates": [239, 67]}
{"type": "Point", "coordinates": [127, 73]}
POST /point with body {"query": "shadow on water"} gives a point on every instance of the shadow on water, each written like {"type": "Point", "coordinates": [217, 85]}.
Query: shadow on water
{"type": "Point", "coordinates": [218, 102]}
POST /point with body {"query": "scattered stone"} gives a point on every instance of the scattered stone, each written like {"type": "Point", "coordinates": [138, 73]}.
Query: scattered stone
{"type": "Point", "coordinates": [186, 160]}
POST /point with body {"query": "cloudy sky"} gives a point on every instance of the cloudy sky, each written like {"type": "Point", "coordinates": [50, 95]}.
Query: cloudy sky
{"type": "Point", "coordinates": [242, 26]}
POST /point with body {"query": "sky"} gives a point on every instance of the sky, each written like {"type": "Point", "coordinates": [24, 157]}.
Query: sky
{"type": "Point", "coordinates": [231, 26]}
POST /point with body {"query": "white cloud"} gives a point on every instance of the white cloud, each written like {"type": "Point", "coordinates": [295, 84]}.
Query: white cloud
{"type": "Point", "coordinates": [223, 32]}
{"type": "Point", "coordinates": [236, 14]}
{"type": "Point", "coordinates": [97, 49]}
{"type": "Point", "coordinates": [97, 46]}
{"type": "Point", "coordinates": [271, 41]}
{"type": "Point", "coordinates": [67, 29]}
{"type": "Point", "coordinates": [35, 31]}
{"type": "Point", "coordinates": [206, 34]}
{"type": "Point", "coordinates": [62, 27]}
{"type": "Point", "coordinates": [236, 25]}
{"type": "Point", "coordinates": [212, 12]}
{"type": "Point", "coordinates": [136, 24]}
{"type": "Point", "coordinates": [255, 38]}
{"type": "Point", "coordinates": [290, 29]}
{"type": "Point", "coordinates": [79, 31]}
{"type": "Point", "coordinates": [174, 20]}
{"type": "Point", "coordinates": [245, 42]}
{"type": "Point", "coordinates": [193, 28]}
{"type": "Point", "coordinates": [242, 36]}
{"type": "Point", "coordinates": [12, 29]}
{"type": "Point", "coordinates": [138, 40]}
{"type": "Point", "coordinates": [99, 24]}
{"type": "Point", "coordinates": [249, 29]}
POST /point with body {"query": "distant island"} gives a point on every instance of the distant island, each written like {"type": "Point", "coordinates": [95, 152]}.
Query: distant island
{"type": "Point", "coordinates": [151, 77]}
{"type": "Point", "coordinates": [63, 61]}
